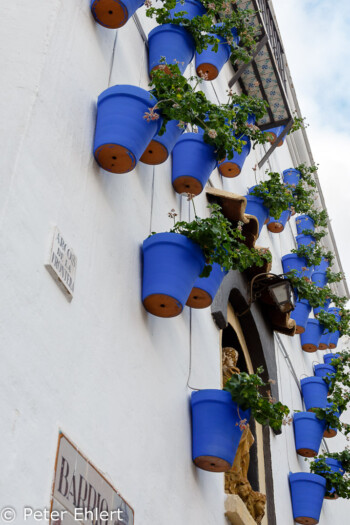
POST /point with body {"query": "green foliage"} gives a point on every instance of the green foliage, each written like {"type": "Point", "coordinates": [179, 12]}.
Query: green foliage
{"type": "Point", "coordinates": [343, 457]}
{"type": "Point", "coordinates": [220, 242]}
{"type": "Point", "coordinates": [224, 125]}
{"type": "Point", "coordinates": [274, 193]}
{"type": "Point", "coordinates": [202, 28]}
{"type": "Point", "coordinates": [312, 252]}
{"type": "Point", "coordinates": [247, 391]}
{"type": "Point", "coordinates": [328, 320]}
{"type": "Point", "coordinates": [335, 481]}
{"type": "Point", "coordinates": [298, 123]}
{"type": "Point", "coordinates": [333, 277]}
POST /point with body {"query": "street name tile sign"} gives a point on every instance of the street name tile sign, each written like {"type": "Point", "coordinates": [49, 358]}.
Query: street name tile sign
{"type": "Point", "coordinates": [81, 494]}
{"type": "Point", "coordinates": [62, 263]}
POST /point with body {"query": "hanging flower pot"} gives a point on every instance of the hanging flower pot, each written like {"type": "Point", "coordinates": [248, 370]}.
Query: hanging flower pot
{"type": "Point", "coordinates": [171, 264]}
{"type": "Point", "coordinates": [160, 147]}
{"type": "Point", "coordinates": [305, 240]}
{"type": "Point", "coordinates": [304, 222]}
{"type": "Point", "coordinates": [310, 339]}
{"type": "Point", "coordinates": [331, 432]}
{"type": "Point", "coordinates": [205, 288]}
{"type": "Point", "coordinates": [315, 392]}
{"type": "Point", "coordinates": [335, 311]}
{"type": "Point", "coordinates": [333, 340]}
{"type": "Point", "coordinates": [232, 168]}
{"type": "Point", "coordinates": [193, 161]}
{"type": "Point", "coordinates": [277, 225]}
{"type": "Point", "coordinates": [324, 307]}
{"type": "Point", "coordinates": [307, 493]}
{"type": "Point", "coordinates": [172, 42]}
{"type": "Point", "coordinates": [114, 13]}
{"type": "Point", "coordinates": [216, 430]}
{"type": "Point", "coordinates": [319, 279]}
{"type": "Point", "coordinates": [209, 62]}
{"type": "Point", "coordinates": [255, 206]}
{"type": "Point", "coordinates": [324, 341]}
{"type": "Point", "coordinates": [335, 466]}
{"type": "Point", "coordinates": [274, 133]}
{"type": "Point", "coordinates": [322, 267]}
{"type": "Point", "coordinates": [308, 433]}
{"type": "Point", "coordinates": [291, 177]}
{"type": "Point", "coordinates": [122, 132]}
{"type": "Point", "coordinates": [323, 371]}
{"type": "Point", "coordinates": [192, 8]}
{"type": "Point", "coordinates": [327, 358]}
{"type": "Point", "coordinates": [293, 262]}
{"type": "Point", "coordinates": [300, 314]}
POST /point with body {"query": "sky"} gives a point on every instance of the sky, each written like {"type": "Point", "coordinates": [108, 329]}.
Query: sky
{"type": "Point", "coordinates": [316, 39]}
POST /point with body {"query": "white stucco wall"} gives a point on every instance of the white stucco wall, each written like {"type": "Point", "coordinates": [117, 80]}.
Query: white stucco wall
{"type": "Point", "coordinates": [101, 369]}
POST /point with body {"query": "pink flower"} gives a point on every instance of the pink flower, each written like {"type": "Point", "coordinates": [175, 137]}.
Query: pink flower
{"type": "Point", "coordinates": [212, 134]}
{"type": "Point", "coordinates": [151, 115]}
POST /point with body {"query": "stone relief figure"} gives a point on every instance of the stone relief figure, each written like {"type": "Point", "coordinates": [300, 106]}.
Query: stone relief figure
{"type": "Point", "coordinates": [236, 480]}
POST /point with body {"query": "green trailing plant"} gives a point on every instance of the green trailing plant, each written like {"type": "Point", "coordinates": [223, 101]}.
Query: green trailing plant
{"type": "Point", "coordinates": [220, 242]}
{"type": "Point", "coordinates": [224, 125]}
{"type": "Point", "coordinates": [250, 391]}
{"type": "Point", "coordinates": [343, 457]}
{"type": "Point", "coordinates": [333, 277]}
{"type": "Point", "coordinates": [328, 320]}
{"type": "Point", "coordinates": [312, 252]}
{"type": "Point", "coordinates": [298, 123]}
{"type": "Point", "coordinates": [317, 235]}
{"type": "Point", "coordinates": [202, 29]}
{"type": "Point", "coordinates": [275, 195]}
{"type": "Point", "coordinates": [337, 483]}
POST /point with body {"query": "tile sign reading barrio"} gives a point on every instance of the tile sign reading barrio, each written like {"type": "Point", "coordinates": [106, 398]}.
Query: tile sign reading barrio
{"type": "Point", "coordinates": [62, 263]}
{"type": "Point", "coordinates": [81, 494]}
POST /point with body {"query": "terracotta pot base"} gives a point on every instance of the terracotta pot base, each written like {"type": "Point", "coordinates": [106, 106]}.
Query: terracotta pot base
{"type": "Point", "coordinates": [332, 346]}
{"type": "Point", "coordinates": [110, 13]}
{"type": "Point", "coordinates": [306, 452]}
{"type": "Point", "coordinates": [300, 330]}
{"type": "Point", "coordinates": [331, 433]}
{"type": "Point", "coordinates": [207, 69]}
{"type": "Point", "coordinates": [115, 158]}
{"type": "Point", "coordinates": [305, 520]}
{"type": "Point", "coordinates": [310, 348]}
{"type": "Point", "coordinates": [332, 497]}
{"type": "Point", "coordinates": [162, 305]}
{"type": "Point", "coordinates": [229, 170]}
{"type": "Point", "coordinates": [212, 464]}
{"type": "Point", "coordinates": [161, 66]}
{"type": "Point", "coordinates": [154, 154]}
{"type": "Point", "coordinates": [275, 227]}
{"type": "Point", "coordinates": [199, 298]}
{"type": "Point", "coordinates": [187, 184]}
{"type": "Point", "coordinates": [322, 346]}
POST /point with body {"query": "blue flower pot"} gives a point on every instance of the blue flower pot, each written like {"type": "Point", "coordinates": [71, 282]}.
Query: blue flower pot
{"type": "Point", "coordinates": [304, 222]}
{"type": "Point", "coordinates": [160, 147]}
{"type": "Point", "coordinates": [171, 264]}
{"type": "Point", "coordinates": [324, 307]}
{"type": "Point", "coordinates": [193, 162]}
{"type": "Point", "coordinates": [122, 133]}
{"type": "Point", "coordinates": [274, 134]}
{"type": "Point", "coordinates": [277, 225]}
{"type": "Point", "coordinates": [310, 339]}
{"type": "Point", "coordinates": [232, 168]}
{"type": "Point", "coordinates": [322, 267]}
{"type": "Point", "coordinates": [192, 8]}
{"type": "Point", "coordinates": [331, 432]}
{"type": "Point", "coordinates": [315, 392]}
{"type": "Point", "coordinates": [300, 314]}
{"type": "Point", "coordinates": [293, 262]}
{"type": "Point", "coordinates": [255, 206]}
{"type": "Point", "coordinates": [205, 288]}
{"type": "Point", "coordinates": [172, 42]}
{"type": "Point", "coordinates": [335, 466]}
{"type": "Point", "coordinates": [333, 340]}
{"type": "Point", "coordinates": [308, 433]}
{"type": "Point", "coordinates": [319, 279]}
{"type": "Point", "coordinates": [305, 240]}
{"type": "Point", "coordinates": [324, 371]}
{"type": "Point", "coordinates": [114, 13]}
{"type": "Point", "coordinates": [215, 429]}
{"type": "Point", "coordinates": [291, 177]}
{"type": "Point", "coordinates": [307, 493]}
{"type": "Point", "coordinates": [327, 358]}
{"type": "Point", "coordinates": [210, 62]}
{"type": "Point", "coordinates": [324, 341]}
{"type": "Point", "coordinates": [335, 311]}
